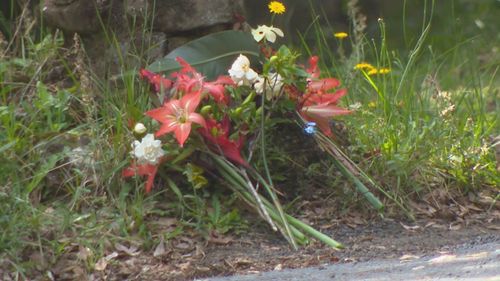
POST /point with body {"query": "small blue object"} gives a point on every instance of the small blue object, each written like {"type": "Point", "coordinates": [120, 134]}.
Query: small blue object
{"type": "Point", "coordinates": [310, 128]}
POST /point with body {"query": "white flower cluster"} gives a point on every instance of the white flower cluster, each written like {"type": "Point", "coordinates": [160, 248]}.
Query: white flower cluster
{"type": "Point", "coordinates": [148, 150]}
{"type": "Point", "coordinates": [242, 74]}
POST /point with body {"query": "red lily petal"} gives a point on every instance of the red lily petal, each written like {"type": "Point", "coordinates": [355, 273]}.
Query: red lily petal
{"type": "Point", "coordinates": [323, 84]}
{"type": "Point", "coordinates": [322, 123]}
{"type": "Point", "coordinates": [197, 118]}
{"type": "Point", "coordinates": [182, 132]}
{"type": "Point", "coordinates": [151, 178]}
{"type": "Point", "coordinates": [186, 67]}
{"type": "Point", "coordinates": [224, 80]}
{"type": "Point", "coordinates": [142, 170]}
{"type": "Point", "coordinates": [160, 114]}
{"type": "Point", "coordinates": [315, 98]}
{"type": "Point", "coordinates": [166, 128]}
{"type": "Point", "coordinates": [313, 67]}
{"type": "Point", "coordinates": [321, 114]}
{"type": "Point", "coordinates": [217, 92]}
{"type": "Point", "coordinates": [190, 101]}
{"type": "Point", "coordinates": [324, 110]}
{"type": "Point", "coordinates": [158, 82]}
{"type": "Point", "coordinates": [229, 148]}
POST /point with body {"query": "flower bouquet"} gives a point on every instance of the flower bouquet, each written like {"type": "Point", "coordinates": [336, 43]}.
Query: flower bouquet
{"type": "Point", "coordinates": [215, 103]}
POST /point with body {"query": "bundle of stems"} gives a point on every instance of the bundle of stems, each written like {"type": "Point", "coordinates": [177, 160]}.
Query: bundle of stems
{"type": "Point", "coordinates": [239, 182]}
{"type": "Point", "coordinates": [351, 171]}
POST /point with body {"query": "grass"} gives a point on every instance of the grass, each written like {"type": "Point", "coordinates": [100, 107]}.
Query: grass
{"type": "Point", "coordinates": [427, 124]}
{"type": "Point", "coordinates": [424, 126]}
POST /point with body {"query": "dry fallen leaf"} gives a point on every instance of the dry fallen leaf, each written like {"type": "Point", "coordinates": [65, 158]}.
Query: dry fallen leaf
{"type": "Point", "coordinates": [101, 264]}
{"type": "Point", "coordinates": [411, 228]}
{"type": "Point", "coordinates": [455, 226]}
{"type": "Point", "coordinates": [131, 251]}
{"type": "Point", "coordinates": [83, 253]}
{"type": "Point", "coordinates": [160, 249]}
{"type": "Point", "coordinates": [493, 226]}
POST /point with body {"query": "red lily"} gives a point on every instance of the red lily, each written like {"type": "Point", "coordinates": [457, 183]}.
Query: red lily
{"type": "Point", "coordinates": [317, 104]}
{"type": "Point", "coordinates": [158, 82]}
{"type": "Point", "coordinates": [217, 89]}
{"type": "Point", "coordinates": [178, 115]}
{"type": "Point", "coordinates": [218, 134]}
{"type": "Point", "coordinates": [321, 114]}
{"type": "Point", "coordinates": [148, 170]}
{"type": "Point", "coordinates": [188, 79]}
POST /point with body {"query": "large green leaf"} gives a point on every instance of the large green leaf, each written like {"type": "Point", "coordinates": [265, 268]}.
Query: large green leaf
{"type": "Point", "coordinates": [211, 55]}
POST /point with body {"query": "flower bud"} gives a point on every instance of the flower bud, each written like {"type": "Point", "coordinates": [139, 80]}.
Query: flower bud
{"type": "Point", "coordinates": [206, 110]}
{"type": "Point", "coordinates": [249, 98]}
{"type": "Point", "coordinates": [273, 59]}
{"type": "Point", "coordinates": [140, 128]}
{"type": "Point", "coordinates": [236, 112]}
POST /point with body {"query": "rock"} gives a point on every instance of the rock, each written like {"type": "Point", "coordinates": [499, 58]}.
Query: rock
{"type": "Point", "coordinates": [116, 33]}
{"type": "Point", "coordinates": [80, 16]}
{"type": "Point", "coordinates": [186, 15]}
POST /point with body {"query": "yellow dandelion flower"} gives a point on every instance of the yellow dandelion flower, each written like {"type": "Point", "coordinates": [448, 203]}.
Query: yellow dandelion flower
{"type": "Point", "coordinates": [276, 7]}
{"type": "Point", "coordinates": [340, 35]}
{"type": "Point", "coordinates": [364, 65]}
{"type": "Point", "coordinates": [372, 71]}
{"type": "Point", "coordinates": [384, 70]}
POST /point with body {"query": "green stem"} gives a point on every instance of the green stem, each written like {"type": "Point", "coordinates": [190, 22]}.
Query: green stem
{"type": "Point", "coordinates": [269, 184]}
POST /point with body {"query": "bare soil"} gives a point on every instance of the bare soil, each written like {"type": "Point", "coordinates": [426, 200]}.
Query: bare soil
{"type": "Point", "coordinates": [258, 250]}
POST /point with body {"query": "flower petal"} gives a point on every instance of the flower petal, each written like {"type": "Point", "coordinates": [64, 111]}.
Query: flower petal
{"type": "Point", "coordinates": [197, 118]}
{"type": "Point", "coordinates": [278, 31]}
{"type": "Point", "coordinates": [257, 34]}
{"type": "Point", "coordinates": [190, 101]}
{"type": "Point", "coordinates": [151, 177]}
{"type": "Point", "coordinates": [166, 128]}
{"type": "Point", "coordinates": [323, 84]}
{"type": "Point", "coordinates": [324, 110]}
{"type": "Point", "coordinates": [271, 36]}
{"type": "Point", "coordinates": [182, 132]}
{"type": "Point", "coordinates": [162, 114]}
{"type": "Point", "coordinates": [313, 67]}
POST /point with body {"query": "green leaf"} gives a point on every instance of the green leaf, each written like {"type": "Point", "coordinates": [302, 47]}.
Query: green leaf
{"type": "Point", "coordinates": [211, 55]}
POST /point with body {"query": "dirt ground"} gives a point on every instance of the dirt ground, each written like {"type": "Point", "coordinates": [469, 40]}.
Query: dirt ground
{"type": "Point", "coordinates": [441, 225]}
{"type": "Point", "coordinates": [258, 249]}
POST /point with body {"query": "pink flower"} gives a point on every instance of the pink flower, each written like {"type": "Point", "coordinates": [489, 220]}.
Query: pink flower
{"type": "Point", "coordinates": [178, 115]}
